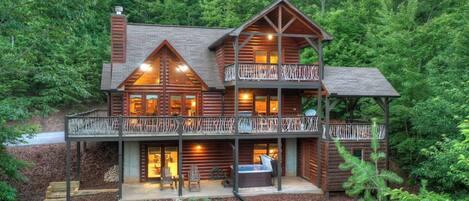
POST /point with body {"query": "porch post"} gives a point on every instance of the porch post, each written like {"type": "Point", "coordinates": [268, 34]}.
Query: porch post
{"type": "Point", "coordinates": [320, 130]}
{"type": "Point", "coordinates": [279, 110]}
{"type": "Point", "coordinates": [67, 161]}
{"type": "Point", "coordinates": [279, 164]}
{"type": "Point", "coordinates": [121, 121]}
{"type": "Point", "coordinates": [279, 43]}
{"type": "Point", "coordinates": [78, 160]}
{"type": "Point", "coordinates": [236, 88]}
{"type": "Point", "coordinates": [235, 166]}
{"type": "Point", "coordinates": [327, 136]}
{"type": "Point", "coordinates": [67, 169]}
{"type": "Point", "coordinates": [386, 127]}
{"type": "Point", "coordinates": [321, 60]}
{"type": "Point", "coordinates": [181, 180]}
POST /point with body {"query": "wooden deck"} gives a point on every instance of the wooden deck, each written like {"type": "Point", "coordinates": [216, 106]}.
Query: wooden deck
{"type": "Point", "coordinates": [97, 124]}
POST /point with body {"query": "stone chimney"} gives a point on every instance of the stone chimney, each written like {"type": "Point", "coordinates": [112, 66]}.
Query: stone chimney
{"type": "Point", "coordinates": [118, 35]}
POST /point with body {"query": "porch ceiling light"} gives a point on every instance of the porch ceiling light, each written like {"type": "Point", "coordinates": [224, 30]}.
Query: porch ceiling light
{"type": "Point", "coordinates": [145, 67]}
{"type": "Point", "coordinates": [270, 36]}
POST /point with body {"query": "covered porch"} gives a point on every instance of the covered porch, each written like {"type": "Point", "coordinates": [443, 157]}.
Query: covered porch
{"type": "Point", "coordinates": [213, 188]}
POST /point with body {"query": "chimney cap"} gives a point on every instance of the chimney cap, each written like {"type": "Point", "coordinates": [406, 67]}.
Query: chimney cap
{"type": "Point", "coordinates": [119, 10]}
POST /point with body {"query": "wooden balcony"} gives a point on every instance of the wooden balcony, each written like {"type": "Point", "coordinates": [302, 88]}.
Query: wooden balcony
{"type": "Point", "coordinates": [270, 72]}
{"type": "Point", "coordinates": [96, 124]}
{"type": "Point", "coordinates": [353, 131]}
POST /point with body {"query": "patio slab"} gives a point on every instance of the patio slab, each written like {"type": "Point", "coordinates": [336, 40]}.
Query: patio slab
{"type": "Point", "coordinates": [211, 189]}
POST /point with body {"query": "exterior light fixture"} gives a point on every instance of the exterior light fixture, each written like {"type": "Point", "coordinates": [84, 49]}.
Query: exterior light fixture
{"type": "Point", "coordinates": [270, 36]}
{"type": "Point", "coordinates": [198, 147]}
{"type": "Point", "coordinates": [145, 67]}
{"type": "Point", "coordinates": [245, 96]}
{"type": "Point", "coordinates": [182, 68]}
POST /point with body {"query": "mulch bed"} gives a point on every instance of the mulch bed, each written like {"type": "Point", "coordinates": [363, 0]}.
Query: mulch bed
{"type": "Point", "coordinates": [48, 164]}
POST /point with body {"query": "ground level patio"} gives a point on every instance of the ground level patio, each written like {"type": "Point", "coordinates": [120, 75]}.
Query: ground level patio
{"type": "Point", "coordinates": [213, 188]}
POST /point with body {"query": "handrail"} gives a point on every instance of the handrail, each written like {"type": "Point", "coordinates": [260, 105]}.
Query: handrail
{"type": "Point", "coordinates": [266, 72]}
{"type": "Point", "coordinates": [353, 131]}
{"type": "Point", "coordinates": [191, 125]}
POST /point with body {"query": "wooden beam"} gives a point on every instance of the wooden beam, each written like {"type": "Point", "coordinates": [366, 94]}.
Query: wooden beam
{"type": "Point", "coordinates": [67, 170]}
{"type": "Point", "coordinates": [279, 164]}
{"type": "Point", "coordinates": [246, 41]}
{"type": "Point", "coordinates": [303, 22]}
{"type": "Point", "coordinates": [181, 181]}
{"type": "Point", "coordinates": [279, 21]}
{"type": "Point", "coordinates": [235, 167]}
{"type": "Point", "coordinates": [288, 24]}
{"type": "Point", "coordinates": [271, 23]}
{"type": "Point", "coordinates": [78, 159]}
{"type": "Point", "coordinates": [314, 45]}
{"type": "Point", "coordinates": [257, 33]}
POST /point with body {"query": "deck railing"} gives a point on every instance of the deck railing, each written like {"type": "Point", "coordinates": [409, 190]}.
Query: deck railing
{"type": "Point", "coordinates": [353, 131]}
{"type": "Point", "coordinates": [105, 126]}
{"type": "Point", "coordinates": [265, 72]}
{"type": "Point", "coordinates": [208, 125]}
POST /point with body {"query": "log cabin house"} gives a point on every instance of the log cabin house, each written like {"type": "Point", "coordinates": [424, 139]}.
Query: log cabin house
{"type": "Point", "coordinates": [181, 97]}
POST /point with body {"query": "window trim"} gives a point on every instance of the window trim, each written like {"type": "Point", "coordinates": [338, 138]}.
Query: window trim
{"type": "Point", "coordinates": [268, 96]}
{"type": "Point", "coordinates": [144, 103]}
{"type": "Point", "coordinates": [268, 50]}
{"type": "Point", "coordinates": [183, 101]}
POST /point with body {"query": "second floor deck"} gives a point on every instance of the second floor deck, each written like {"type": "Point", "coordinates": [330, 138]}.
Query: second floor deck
{"type": "Point", "coordinates": [97, 124]}
{"type": "Point", "coordinates": [272, 72]}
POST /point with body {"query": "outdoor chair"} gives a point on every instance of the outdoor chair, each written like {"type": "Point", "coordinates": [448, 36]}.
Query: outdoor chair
{"type": "Point", "coordinates": [194, 179]}
{"type": "Point", "coordinates": [166, 178]}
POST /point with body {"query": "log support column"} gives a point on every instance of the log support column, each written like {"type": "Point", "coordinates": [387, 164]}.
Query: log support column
{"type": "Point", "coordinates": [279, 164]}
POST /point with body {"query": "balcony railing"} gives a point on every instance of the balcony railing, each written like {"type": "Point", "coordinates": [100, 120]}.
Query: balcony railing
{"type": "Point", "coordinates": [265, 72]}
{"type": "Point", "coordinates": [91, 126]}
{"type": "Point", "coordinates": [354, 131]}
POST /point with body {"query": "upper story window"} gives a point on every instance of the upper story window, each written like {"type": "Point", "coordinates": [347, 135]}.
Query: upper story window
{"type": "Point", "coordinates": [266, 105]}
{"type": "Point", "coordinates": [183, 105]}
{"type": "Point", "coordinates": [151, 73]}
{"type": "Point", "coordinates": [143, 104]}
{"type": "Point", "coordinates": [266, 56]}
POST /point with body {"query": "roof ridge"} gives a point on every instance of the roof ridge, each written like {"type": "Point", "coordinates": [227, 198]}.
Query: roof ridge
{"type": "Point", "coordinates": [181, 26]}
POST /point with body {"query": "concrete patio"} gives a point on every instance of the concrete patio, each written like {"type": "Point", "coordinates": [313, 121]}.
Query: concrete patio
{"type": "Point", "coordinates": [213, 188]}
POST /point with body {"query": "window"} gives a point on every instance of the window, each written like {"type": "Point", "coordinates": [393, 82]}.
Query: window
{"type": "Point", "coordinates": [175, 105]}
{"type": "Point", "coordinates": [136, 105]}
{"type": "Point", "coordinates": [143, 105]}
{"type": "Point", "coordinates": [260, 105]}
{"type": "Point", "coordinates": [273, 105]}
{"type": "Point", "coordinates": [152, 75]}
{"type": "Point", "coordinates": [185, 105]}
{"type": "Point", "coordinates": [151, 106]}
{"type": "Point", "coordinates": [264, 149]}
{"type": "Point", "coordinates": [154, 162]}
{"type": "Point", "coordinates": [266, 57]}
{"type": "Point", "coordinates": [191, 106]}
{"type": "Point", "coordinates": [266, 105]}
{"type": "Point", "coordinates": [358, 153]}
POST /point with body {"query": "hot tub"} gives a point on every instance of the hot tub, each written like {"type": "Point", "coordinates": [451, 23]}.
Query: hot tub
{"type": "Point", "coordinates": [254, 175]}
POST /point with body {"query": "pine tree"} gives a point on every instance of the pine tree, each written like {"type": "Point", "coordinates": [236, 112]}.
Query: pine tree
{"type": "Point", "coordinates": [367, 180]}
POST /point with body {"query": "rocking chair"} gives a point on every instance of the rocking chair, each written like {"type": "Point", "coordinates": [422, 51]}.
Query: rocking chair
{"type": "Point", "coordinates": [194, 179]}
{"type": "Point", "coordinates": [166, 178]}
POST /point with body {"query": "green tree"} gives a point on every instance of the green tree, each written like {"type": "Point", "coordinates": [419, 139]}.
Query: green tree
{"type": "Point", "coordinates": [367, 180]}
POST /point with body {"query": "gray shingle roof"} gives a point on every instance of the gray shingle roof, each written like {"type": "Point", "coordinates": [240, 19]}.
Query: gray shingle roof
{"type": "Point", "coordinates": [106, 77]}
{"type": "Point", "coordinates": [190, 42]}
{"type": "Point", "coordinates": [355, 81]}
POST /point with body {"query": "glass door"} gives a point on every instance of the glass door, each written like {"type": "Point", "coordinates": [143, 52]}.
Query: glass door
{"type": "Point", "coordinates": [159, 157]}
{"type": "Point", "coordinates": [154, 162]}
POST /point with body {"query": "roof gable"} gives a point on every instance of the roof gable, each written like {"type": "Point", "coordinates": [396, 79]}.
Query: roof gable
{"type": "Point", "coordinates": [189, 42]}
{"type": "Point", "coordinates": [305, 20]}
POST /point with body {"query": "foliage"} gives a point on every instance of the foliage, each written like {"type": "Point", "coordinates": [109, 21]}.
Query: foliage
{"type": "Point", "coordinates": [451, 156]}
{"type": "Point", "coordinates": [367, 180]}
{"type": "Point", "coordinates": [52, 53]}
